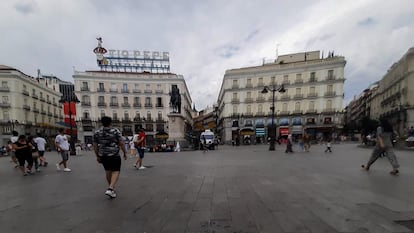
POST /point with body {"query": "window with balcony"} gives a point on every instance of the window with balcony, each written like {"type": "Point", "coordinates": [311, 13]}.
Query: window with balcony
{"type": "Point", "coordinates": [101, 99]}
{"type": "Point", "coordinates": [148, 102]}
{"type": "Point", "coordinates": [102, 113]}
{"type": "Point", "coordinates": [124, 88]}
{"type": "Point", "coordinates": [136, 88]}
{"type": "Point", "coordinates": [159, 102]}
{"type": "Point", "coordinates": [5, 99]}
{"type": "Point", "coordinates": [260, 82]}
{"type": "Point", "coordinates": [114, 87]}
{"type": "Point", "coordinates": [249, 109]}
{"type": "Point", "coordinates": [86, 115]}
{"type": "Point", "coordinates": [235, 83]}
{"type": "Point", "coordinates": [297, 106]}
{"type": "Point", "coordinates": [298, 78]}
{"type": "Point", "coordinates": [249, 98]}
{"type": "Point", "coordinates": [126, 115]}
{"type": "Point", "coordinates": [114, 115]}
{"type": "Point", "coordinates": [114, 99]}
{"type": "Point", "coordinates": [311, 105]}
{"type": "Point", "coordinates": [101, 87]}
{"type": "Point", "coordinates": [6, 116]}
{"type": "Point", "coordinates": [148, 115]}
{"type": "Point", "coordinates": [125, 100]}
{"type": "Point", "coordinates": [235, 109]}
{"type": "Point", "coordinates": [249, 83]}
{"type": "Point", "coordinates": [86, 99]}
{"type": "Point", "coordinates": [329, 88]}
{"type": "Point", "coordinates": [148, 88]}
{"type": "Point", "coordinates": [159, 115]}
{"type": "Point", "coordinates": [85, 86]}
{"type": "Point", "coordinates": [312, 77]}
{"type": "Point", "coordinates": [286, 79]}
{"type": "Point", "coordinates": [329, 104]}
{"type": "Point", "coordinates": [331, 75]}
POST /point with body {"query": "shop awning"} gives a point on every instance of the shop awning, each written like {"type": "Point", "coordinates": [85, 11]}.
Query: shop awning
{"type": "Point", "coordinates": [260, 131]}
{"type": "Point", "coordinates": [284, 131]}
{"type": "Point", "coordinates": [247, 132]}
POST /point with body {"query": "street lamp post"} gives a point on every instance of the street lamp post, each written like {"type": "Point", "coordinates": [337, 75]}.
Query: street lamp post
{"type": "Point", "coordinates": [280, 89]}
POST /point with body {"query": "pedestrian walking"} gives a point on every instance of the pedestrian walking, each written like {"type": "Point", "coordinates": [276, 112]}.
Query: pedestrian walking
{"type": "Point", "coordinates": [107, 142]}
{"type": "Point", "coordinates": [306, 141]}
{"type": "Point", "coordinates": [301, 144]}
{"type": "Point", "coordinates": [13, 139]}
{"type": "Point", "coordinates": [62, 146]}
{"type": "Point", "coordinates": [132, 150]}
{"type": "Point", "coordinates": [384, 146]}
{"type": "Point", "coordinates": [140, 144]}
{"type": "Point", "coordinates": [35, 153]}
{"type": "Point", "coordinates": [41, 147]}
{"type": "Point", "coordinates": [204, 143]}
{"type": "Point", "coordinates": [289, 144]}
{"type": "Point", "coordinates": [23, 153]}
{"type": "Point", "coordinates": [328, 146]}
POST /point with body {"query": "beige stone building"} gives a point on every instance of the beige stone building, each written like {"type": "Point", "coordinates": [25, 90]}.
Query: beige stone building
{"type": "Point", "coordinates": [312, 102]}
{"type": "Point", "coordinates": [132, 99]}
{"type": "Point", "coordinates": [394, 98]}
{"type": "Point", "coordinates": [28, 104]}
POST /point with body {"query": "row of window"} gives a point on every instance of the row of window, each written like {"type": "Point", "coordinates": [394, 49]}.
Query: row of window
{"type": "Point", "coordinates": [34, 94]}
{"type": "Point", "coordinates": [114, 87]}
{"type": "Point", "coordinates": [43, 118]}
{"type": "Point", "coordinates": [114, 99]}
{"type": "Point", "coordinates": [298, 91]}
{"type": "Point", "coordinates": [299, 79]}
{"type": "Point", "coordinates": [127, 115]}
{"type": "Point", "coordinates": [298, 107]}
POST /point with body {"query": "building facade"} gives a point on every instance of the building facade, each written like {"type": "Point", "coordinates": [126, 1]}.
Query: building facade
{"type": "Point", "coordinates": [394, 98]}
{"type": "Point", "coordinates": [28, 105]}
{"type": "Point", "coordinates": [133, 100]}
{"type": "Point", "coordinates": [312, 102]}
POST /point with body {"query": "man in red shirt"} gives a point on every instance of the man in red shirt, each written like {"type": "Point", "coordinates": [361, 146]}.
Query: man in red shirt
{"type": "Point", "coordinates": [140, 143]}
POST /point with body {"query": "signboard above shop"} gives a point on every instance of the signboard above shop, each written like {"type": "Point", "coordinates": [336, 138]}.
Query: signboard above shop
{"type": "Point", "coordinates": [131, 61]}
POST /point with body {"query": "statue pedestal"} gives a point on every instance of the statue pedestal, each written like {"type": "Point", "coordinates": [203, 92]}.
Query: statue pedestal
{"type": "Point", "coordinates": [176, 126]}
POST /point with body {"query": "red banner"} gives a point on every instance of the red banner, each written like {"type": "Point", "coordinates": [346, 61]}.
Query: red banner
{"type": "Point", "coordinates": [70, 112]}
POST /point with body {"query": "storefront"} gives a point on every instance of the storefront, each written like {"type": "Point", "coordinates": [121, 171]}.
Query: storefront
{"type": "Point", "coordinates": [247, 135]}
{"type": "Point", "coordinates": [260, 131]}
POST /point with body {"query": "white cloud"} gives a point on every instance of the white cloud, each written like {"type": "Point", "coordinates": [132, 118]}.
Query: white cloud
{"type": "Point", "coordinates": [205, 38]}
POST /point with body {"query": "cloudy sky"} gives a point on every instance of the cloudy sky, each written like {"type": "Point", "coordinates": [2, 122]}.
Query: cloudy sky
{"type": "Point", "coordinates": [206, 37]}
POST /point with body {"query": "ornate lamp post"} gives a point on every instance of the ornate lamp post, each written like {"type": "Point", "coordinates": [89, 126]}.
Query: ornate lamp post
{"type": "Point", "coordinates": [280, 89]}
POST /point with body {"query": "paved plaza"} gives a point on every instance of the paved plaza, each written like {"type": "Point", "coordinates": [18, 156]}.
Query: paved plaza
{"type": "Point", "coordinates": [245, 189]}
